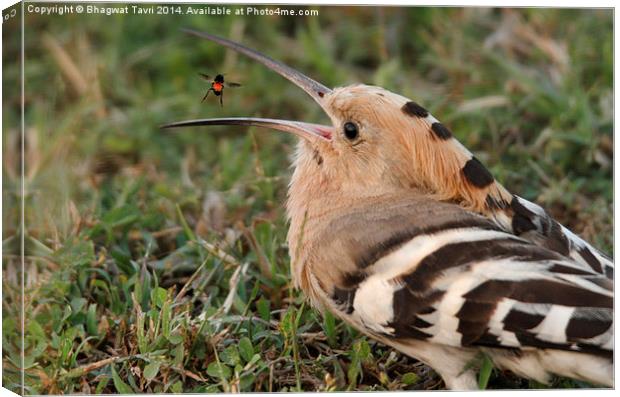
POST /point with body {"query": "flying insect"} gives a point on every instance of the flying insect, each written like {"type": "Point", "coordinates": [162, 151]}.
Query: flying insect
{"type": "Point", "coordinates": [217, 86]}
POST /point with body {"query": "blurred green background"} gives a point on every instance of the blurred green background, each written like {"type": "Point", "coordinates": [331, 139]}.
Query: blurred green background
{"type": "Point", "coordinates": [156, 261]}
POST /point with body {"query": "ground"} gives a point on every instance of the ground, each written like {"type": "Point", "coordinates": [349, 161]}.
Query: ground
{"type": "Point", "coordinates": [156, 261]}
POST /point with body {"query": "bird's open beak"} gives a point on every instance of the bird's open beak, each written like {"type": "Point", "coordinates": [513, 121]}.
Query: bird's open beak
{"type": "Point", "coordinates": [316, 90]}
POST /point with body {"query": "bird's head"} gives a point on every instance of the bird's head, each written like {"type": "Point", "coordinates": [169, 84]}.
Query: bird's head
{"type": "Point", "coordinates": [378, 143]}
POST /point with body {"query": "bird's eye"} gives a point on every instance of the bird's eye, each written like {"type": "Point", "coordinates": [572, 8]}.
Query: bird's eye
{"type": "Point", "coordinates": [350, 130]}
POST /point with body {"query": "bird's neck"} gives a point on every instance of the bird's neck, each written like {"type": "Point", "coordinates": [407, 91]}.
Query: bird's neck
{"type": "Point", "coordinates": [315, 199]}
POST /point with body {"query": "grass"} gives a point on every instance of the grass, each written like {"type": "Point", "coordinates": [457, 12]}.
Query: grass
{"type": "Point", "coordinates": [157, 261]}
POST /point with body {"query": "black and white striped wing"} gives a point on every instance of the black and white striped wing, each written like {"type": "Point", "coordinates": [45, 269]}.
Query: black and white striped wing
{"type": "Point", "coordinates": [488, 290]}
{"type": "Point", "coordinates": [533, 223]}
{"type": "Point", "coordinates": [476, 287]}
{"type": "Point", "coordinates": [453, 278]}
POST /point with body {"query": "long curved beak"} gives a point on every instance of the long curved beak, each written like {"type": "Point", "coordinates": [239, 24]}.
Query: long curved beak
{"type": "Point", "coordinates": [303, 130]}
{"type": "Point", "coordinates": [315, 89]}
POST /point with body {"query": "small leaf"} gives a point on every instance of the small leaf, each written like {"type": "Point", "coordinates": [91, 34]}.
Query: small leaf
{"type": "Point", "coordinates": [188, 231]}
{"type": "Point", "coordinates": [121, 387]}
{"type": "Point", "coordinates": [120, 216]}
{"type": "Point", "coordinates": [362, 350]}
{"type": "Point", "coordinates": [410, 378]}
{"type": "Point", "coordinates": [38, 349]}
{"type": "Point", "coordinates": [264, 308]}
{"type": "Point", "coordinates": [485, 373]}
{"type": "Point", "coordinates": [211, 389]}
{"type": "Point", "coordinates": [166, 314]}
{"type": "Point", "coordinates": [35, 329]}
{"type": "Point", "coordinates": [158, 296]}
{"type": "Point", "coordinates": [246, 349]}
{"type": "Point", "coordinates": [151, 370]}
{"type": "Point", "coordinates": [178, 354]}
{"type": "Point", "coordinates": [76, 253]}
{"type": "Point", "coordinates": [34, 247]}
{"type": "Point", "coordinates": [352, 372]}
{"type": "Point", "coordinates": [286, 325]}
{"type": "Point", "coordinates": [330, 328]}
{"type": "Point", "coordinates": [77, 304]}
{"type": "Point", "coordinates": [92, 324]}
{"type": "Point", "coordinates": [246, 382]}
{"type": "Point", "coordinates": [175, 338]}
{"type": "Point", "coordinates": [230, 356]}
{"type": "Point", "coordinates": [254, 360]}
{"type": "Point", "coordinates": [177, 387]}
{"type": "Point", "coordinates": [218, 370]}
{"type": "Point", "coordinates": [102, 384]}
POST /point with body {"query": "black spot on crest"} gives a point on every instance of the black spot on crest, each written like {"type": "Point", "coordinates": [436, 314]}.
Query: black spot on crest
{"type": "Point", "coordinates": [441, 131]}
{"type": "Point", "coordinates": [413, 109]}
{"type": "Point", "coordinates": [477, 174]}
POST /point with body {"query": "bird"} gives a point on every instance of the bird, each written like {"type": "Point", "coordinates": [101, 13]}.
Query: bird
{"type": "Point", "coordinates": [397, 229]}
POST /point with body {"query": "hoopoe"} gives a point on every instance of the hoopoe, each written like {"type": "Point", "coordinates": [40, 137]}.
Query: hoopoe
{"type": "Point", "coordinates": [397, 229]}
